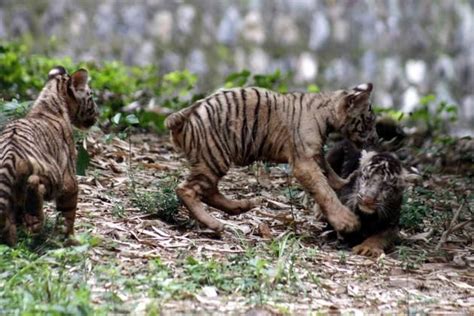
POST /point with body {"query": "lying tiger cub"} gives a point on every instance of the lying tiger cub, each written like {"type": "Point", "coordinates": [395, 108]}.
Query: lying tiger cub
{"type": "Point", "coordinates": [374, 194]}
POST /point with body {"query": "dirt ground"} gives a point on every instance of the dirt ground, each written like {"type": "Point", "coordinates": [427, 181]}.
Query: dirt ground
{"type": "Point", "coordinates": [318, 274]}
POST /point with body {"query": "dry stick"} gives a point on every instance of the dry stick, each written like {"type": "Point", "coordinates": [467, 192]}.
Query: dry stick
{"type": "Point", "coordinates": [290, 193]}
{"type": "Point", "coordinates": [450, 229]}
{"type": "Point", "coordinates": [130, 171]}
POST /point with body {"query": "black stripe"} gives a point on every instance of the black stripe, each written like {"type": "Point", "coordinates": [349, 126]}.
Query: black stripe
{"type": "Point", "coordinates": [229, 123]}
{"type": "Point", "coordinates": [5, 181]}
{"type": "Point", "coordinates": [243, 130]}
{"type": "Point", "coordinates": [266, 130]}
{"type": "Point", "coordinates": [211, 159]}
{"type": "Point", "coordinates": [256, 114]}
{"type": "Point", "coordinates": [223, 123]}
{"type": "Point", "coordinates": [219, 111]}
{"type": "Point", "coordinates": [199, 130]}
{"type": "Point", "coordinates": [293, 111]}
{"type": "Point", "coordinates": [216, 137]}
{"type": "Point", "coordinates": [186, 139]}
{"type": "Point", "coordinates": [298, 124]}
{"type": "Point", "coordinates": [5, 195]}
{"type": "Point", "coordinates": [219, 134]}
{"type": "Point", "coordinates": [324, 104]}
{"type": "Point", "coordinates": [236, 118]}
{"type": "Point", "coordinates": [10, 169]}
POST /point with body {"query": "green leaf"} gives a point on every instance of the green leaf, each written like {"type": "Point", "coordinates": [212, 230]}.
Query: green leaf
{"type": "Point", "coordinates": [312, 88]}
{"type": "Point", "coordinates": [427, 99]}
{"type": "Point", "coordinates": [237, 79]}
{"type": "Point", "coordinates": [116, 118]}
{"type": "Point", "coordinates": [83, 160]}
{"type": "Point", "coordinates": [131, 119]}
{"type": "Point", "coordinates": [452, 108]}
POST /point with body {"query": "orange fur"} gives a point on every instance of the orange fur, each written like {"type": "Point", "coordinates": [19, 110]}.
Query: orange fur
{"type": "Point", "coordinates": [239, 126]}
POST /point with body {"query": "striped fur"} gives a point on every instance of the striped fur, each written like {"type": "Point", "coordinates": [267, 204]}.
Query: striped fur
{"type": "Point", "coordinates": [38, 154]}
{"type": "Point", "coordinates": [374, 194]}
{"type": "Point", "coordinates": [239, 126]}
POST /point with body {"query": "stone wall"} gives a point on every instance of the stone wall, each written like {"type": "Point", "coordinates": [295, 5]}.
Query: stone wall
{"type": "Point", "coordinates": [408, 48]}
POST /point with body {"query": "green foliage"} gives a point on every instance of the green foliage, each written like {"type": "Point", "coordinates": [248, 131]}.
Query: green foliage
{"type": "Point", "coordinates": [116, 85]}
{"type": "Point", "coordinates": [83, 161]}
{"type": "Point", "coordinates": [396, 115]}
{"type": "Point", "coordinates": [411, 258]}
{"type": "Point", "coordinates": [425, 205]}
{"type": "Point", "coordinates": [162, 202]}
{"type": "Point", "coordinates": [275, 81]}
{"type": "Point", "coordinates": [312, 88]}
{"type": "Point", "coordinates": [12, 110]}
{"type": "Point", "coordinates": [435, 115]}
{"type": "Point", "coordinates": [412, 214]}
{"type": "Point", "coordinates": [49, 283]}
{"type": "Point", "coordinates": [432, 116]}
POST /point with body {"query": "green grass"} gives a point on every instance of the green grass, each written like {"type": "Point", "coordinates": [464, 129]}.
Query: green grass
{"type": "Point", "coordinates": [70, 281]}
{"type": "Point", "coordinates": [53, 282]}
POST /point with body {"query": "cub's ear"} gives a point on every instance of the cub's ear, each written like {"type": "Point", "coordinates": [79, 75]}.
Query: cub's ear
{"type": "Point", "coordinates": [79, 79]}
{"type": "Point", "coordinates": [410, 177]}
{"type": "Point", "coordinates": [359, 95]}
{"type": "Point", "coordinates": [366, 156]}
{"type": "Point", "coordinates": [364, 88]}
{"type": "Point", "coordinates": [57, 70]}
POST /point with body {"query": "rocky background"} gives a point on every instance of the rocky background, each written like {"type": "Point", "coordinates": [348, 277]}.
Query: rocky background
{"type": "Point", "coordinates": [408, 48]}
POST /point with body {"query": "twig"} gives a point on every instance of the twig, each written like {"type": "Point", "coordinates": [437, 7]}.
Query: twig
{"type": "Point", "coordinates": [290, 193]}
{"type": "Point", "coordinates": [450, 229]}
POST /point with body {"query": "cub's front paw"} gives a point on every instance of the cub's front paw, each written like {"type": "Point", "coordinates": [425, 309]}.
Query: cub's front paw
{"type": "Point", "coordinates": [368, 251]}
{"type": "Point", "coordinates": [33, 224]}
{"type": "Point", "coordinates": [343, 220]}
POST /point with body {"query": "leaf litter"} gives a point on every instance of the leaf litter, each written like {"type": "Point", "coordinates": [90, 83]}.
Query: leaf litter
{"type": "Point", "coordinates": [313, 274]}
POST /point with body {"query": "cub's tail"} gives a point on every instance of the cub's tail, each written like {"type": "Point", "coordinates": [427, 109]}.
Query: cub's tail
{"type": "Point", "coordinates": [12, 173]}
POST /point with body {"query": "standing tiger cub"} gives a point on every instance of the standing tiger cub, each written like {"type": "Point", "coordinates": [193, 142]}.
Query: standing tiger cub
{"type": "Point", "coordinates": [240, 126]}
{"type": "Point", "coordinates": [38, 154]}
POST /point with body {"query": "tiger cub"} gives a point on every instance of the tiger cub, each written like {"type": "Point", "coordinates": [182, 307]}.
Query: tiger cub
{"type": "Point", "coordinates": [243, 125]}
{"type": "Point", "coordinates": [38, 154]}
{"type": "Point", "coordinates": [374, 194]}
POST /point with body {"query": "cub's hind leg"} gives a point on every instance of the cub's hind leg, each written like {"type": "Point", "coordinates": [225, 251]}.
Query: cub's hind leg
{"type": "Point", "coordinates": [66, 204]}
{"type": "Point", "coordinates": [33, 215]}
{"type": "Point", "coordinates": [191, 193]}
{"type": "Point", "coordinates": [232, 207]}
{"type": "Point", "coordinates": [8, 227]}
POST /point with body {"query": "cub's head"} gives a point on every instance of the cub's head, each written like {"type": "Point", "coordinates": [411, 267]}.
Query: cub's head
{"type": "Point", "coordinates": [380, 183]}
{"type": "Point", "coordinates": [354, 116]}
{"type": "Point", "coordinates": [74, 89]}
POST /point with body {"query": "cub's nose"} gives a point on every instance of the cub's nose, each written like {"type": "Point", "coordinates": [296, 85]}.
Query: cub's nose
{"type": "Point", "coordinates": [367, 201]}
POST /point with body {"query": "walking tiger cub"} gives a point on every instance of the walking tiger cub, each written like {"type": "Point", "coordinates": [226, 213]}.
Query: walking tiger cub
{"type": "Point", "coordinates": [240, 126]}
{"type": "Point", "coordinates": [374, 194]}
{"type": "Point", "coordinates": [38, 154]}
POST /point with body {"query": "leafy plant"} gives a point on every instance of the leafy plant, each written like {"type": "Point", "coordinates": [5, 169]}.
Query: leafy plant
{"type": "Point", "coordinates": [435, 115]}
{"type": "Point", "coordinates": [12, 110]}
{"type": "Point", "coordinates": [410, 258]}
{"type": "Point", "coordinates": [162, 202]}
{"type": "Point", "coordinates": [275, 81]}
{"type": "Point", "coordinates": [413, 213]}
